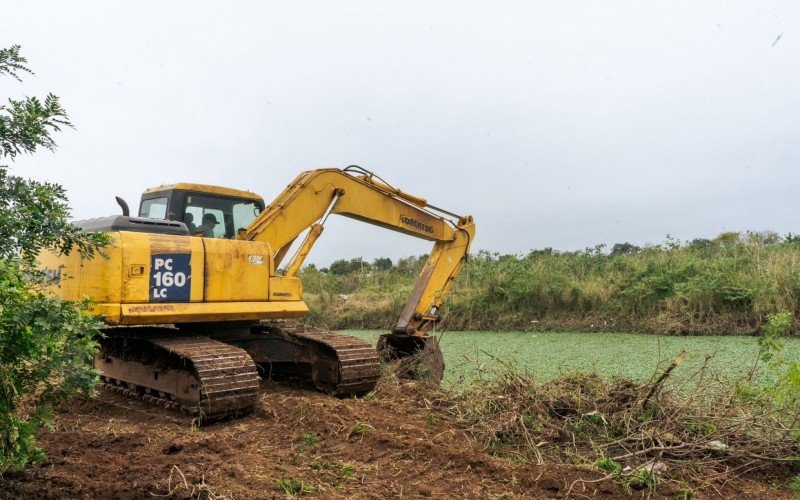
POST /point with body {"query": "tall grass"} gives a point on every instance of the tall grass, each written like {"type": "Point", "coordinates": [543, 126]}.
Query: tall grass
{"type": "Point", "coordinates": [726, 285]}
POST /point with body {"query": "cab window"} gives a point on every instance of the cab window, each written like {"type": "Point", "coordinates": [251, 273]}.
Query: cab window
{"type": "Point", "coordinates": [230, 214]}
{"type": "Point", "coordinates": [244, 213]}
{"type": "Point", "coordinates": [154, 208]}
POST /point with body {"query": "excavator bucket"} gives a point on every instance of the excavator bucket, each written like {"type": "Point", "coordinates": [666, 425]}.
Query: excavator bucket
{"type": "Point", "coordinates": [414, 357]}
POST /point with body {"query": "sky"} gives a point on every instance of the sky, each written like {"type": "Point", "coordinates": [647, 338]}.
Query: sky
{"type": "Point", "coordinates": [555, 124]}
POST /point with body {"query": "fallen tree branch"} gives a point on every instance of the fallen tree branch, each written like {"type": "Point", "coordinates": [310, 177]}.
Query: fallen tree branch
{"type": "Point", "coordinates": [663, 377]}
{"type": "Point", "coordinates": [648, 450]}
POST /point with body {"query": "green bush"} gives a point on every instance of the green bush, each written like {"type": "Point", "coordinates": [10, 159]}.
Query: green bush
{"type": "Point", "coordinates": [44, 343]}
{"type": "Point", "coordinates": [44, 346]}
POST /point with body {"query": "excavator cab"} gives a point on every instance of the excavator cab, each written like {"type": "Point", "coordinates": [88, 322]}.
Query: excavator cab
{"type": "Point", "coordinates": [232, 209]}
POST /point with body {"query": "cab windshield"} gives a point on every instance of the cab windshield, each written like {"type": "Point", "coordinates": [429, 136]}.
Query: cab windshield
{"type": "Point", "coordinates": [218, 216]}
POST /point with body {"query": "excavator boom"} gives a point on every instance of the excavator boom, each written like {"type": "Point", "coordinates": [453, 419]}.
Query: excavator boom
{"type": "Point", "coordinates": [359, 194]}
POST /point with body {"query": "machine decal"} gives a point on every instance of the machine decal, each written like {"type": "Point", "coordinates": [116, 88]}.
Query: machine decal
{"type": "Point", "coordinates": [150, 309]}
{"type": "Point", "coordinates": [170, 277]}
{"type": "Point", "coordinates": [420, 226]}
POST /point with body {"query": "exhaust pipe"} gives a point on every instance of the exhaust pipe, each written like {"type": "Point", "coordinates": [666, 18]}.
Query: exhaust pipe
{"type": "Point", "coordinates": [125, 210]}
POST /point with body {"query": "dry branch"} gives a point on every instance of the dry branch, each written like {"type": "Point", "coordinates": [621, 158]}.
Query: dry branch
{"type": "Point", "coordinates": [701, 425]}
{"type": "Point", "coordinates": [663, 377]}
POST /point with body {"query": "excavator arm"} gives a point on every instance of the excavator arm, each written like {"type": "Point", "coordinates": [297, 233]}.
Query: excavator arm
{"type": "Point", "coordinates": [359, 194]}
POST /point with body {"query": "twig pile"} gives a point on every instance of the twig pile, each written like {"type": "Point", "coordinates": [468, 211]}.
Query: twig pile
{"type": "Point", "coordinates": [700, 422]}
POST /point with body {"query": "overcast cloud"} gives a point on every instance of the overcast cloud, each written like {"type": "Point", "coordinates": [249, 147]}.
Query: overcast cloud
{"type": "Point", "coordinates": [561, 124]}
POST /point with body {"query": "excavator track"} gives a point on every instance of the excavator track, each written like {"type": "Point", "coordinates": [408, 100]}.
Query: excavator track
{"type": "Point", "coordinates": [335, 363]}
{"type": "Point", "coordinates": [359, 365]}
{"type": "Point", "coordinates": [216, 374]}
{"type": "Point", "coordinates": [168, 368]}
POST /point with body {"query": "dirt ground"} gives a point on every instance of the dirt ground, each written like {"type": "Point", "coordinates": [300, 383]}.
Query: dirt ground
{"type": "Point", "coordinates": [389, 444]}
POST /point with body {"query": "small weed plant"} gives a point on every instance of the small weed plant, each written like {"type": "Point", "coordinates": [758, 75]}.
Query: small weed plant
{"type": "Point", "coordinates": [360, 429]}
{"type": "Point", "coordinates": [609, 466]}
{"type": "Point", "coordinates": [310, 440]}
{"type": "Point", "coordinates": [794, 487]}
{"type": "Point", "coordinates": [293, 487]}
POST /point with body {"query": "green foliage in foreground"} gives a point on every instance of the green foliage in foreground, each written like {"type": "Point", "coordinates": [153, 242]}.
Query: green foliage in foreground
{"type": "Point", "coordinates": [726, 285]}
{"type": "Point", "coordinates": [44, 342]}
{"type": "Point", "coordinates": [44, 346]}
{"type": "Point", "coordinates": [772, 350]}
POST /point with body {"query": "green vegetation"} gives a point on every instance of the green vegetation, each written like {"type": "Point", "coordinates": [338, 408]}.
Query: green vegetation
{"type": "Point", "coordinates": [726, 285]}
{"type": "Point", "coordinates": [294, 487]}
{"type": "Point", "coordinates": [610, 466]}
{"type": "Point", "coordinates": [360, 429]}
{"type": "Point", "coordinates": [795, 486]}
{"type": "Point", "coordinates": [334, 471]}
{"type": "Point", "coordinates": [548, 355]}
{"type": "Point", "coordinates": [44, 342]}
{"type": "Point", "coordinates": [641, 479]}
{"type": "Point", "coordinates": [310, 440]}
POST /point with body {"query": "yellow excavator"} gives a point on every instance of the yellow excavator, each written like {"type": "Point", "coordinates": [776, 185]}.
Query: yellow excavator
{"type": "Point", "coordinates": [196, 290]}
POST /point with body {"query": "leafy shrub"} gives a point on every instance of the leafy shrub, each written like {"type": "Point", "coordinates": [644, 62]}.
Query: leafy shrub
{"type": "Point", "coordinates": [44, 346]}
{"type": "Point", "coordinates": [624, 249]}
{"type": "Point", "coordinates": [382, 264]}
{"type": "Point", "coordinates": [44, 342]}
